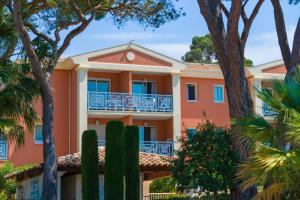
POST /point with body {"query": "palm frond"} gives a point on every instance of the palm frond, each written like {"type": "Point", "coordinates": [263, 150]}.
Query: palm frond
{"type": "Point", "coordinates": [272, 192]}
{"type": "Point", "coordinates": [12, 130]}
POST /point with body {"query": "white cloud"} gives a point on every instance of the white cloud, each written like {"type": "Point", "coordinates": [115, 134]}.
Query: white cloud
{"type": "Point", "coordinates": [174, 50]}
{"type": "Point", "coordinates": [264, 48]}
{"type": "Point", "coordinates": [133, 36]}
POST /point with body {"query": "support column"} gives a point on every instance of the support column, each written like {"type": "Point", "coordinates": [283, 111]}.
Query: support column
{"type": "Point", "coordinates": [257, 101]}
{"type": "Point", "coordinates": [78, 187]}
{"type": "Point", "coordinates": [176, 110]}
{"type": "Point", "coordinates": [59, 175]}
{"type": "Point", "coordinates": [82, 119]}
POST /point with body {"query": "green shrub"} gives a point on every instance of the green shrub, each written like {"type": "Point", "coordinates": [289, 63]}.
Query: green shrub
{"type": "Point", "coordinates": [205, 160]}
{"type": "Point", "coordinates": [206, 197]}
{"type": "Point", "coordinates": [132, 169]}
{"type": "Point", "coordinates": [90, 166]}
{"type": "Point", "coordinates": [114, 165]}
{"type": "Point", "coordinates": [163, 185]}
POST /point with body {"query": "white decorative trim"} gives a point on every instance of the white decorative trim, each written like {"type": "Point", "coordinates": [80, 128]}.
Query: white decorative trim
{"type": "Point", "coordinates": [255, 70]}
{"type": "Point", "coordinates": [83, 58]}
{"type": "Point", "coordinates": [176, 110]}
{"type": "Point", "coordinates": [82, 81]}
{"type": "Point", "coordinates": [129, 67]}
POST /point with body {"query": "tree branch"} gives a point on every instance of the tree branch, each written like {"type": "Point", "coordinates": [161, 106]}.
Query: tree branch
{"type": "Point", "coordinates": [295, 58]}
{"type": "Point", "coordinates": [71, 35]}
{"type": "Point", "coordinates": [19, 24]}
{"type": "Point", "coordinates": [233, 23]}
{"type": "Point", "coordinates": [281, 32]}
{"type": "Point", "coordinates": [40, 34]}
{"type": "Point", "coordinates": [248, 22]}
{"type": "Point", "coordinates": [224, 9]}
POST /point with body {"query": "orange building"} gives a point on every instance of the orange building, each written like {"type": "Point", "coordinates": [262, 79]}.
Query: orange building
{"type": "Point", "coordinates": [163, 96]}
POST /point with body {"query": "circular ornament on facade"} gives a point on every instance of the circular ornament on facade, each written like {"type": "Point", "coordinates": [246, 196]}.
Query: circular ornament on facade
{"type": "Point", "coordinates": [130, 56]}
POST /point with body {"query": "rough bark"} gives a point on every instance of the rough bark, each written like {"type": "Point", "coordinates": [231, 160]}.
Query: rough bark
{"type": "Point", "coordinates": [291, 59]}
{"type": "Point", "coordinates": [229, 47]}
{"type": "Point", "coordinates": [50, 165]}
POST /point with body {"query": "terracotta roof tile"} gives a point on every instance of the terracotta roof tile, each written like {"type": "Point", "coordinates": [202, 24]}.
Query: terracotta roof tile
{"type": "Point", "coordinates": [71, 162]}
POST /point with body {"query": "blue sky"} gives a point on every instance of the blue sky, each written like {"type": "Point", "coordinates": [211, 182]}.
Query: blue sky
{"type": "Point", "coordinates": [173, 39]}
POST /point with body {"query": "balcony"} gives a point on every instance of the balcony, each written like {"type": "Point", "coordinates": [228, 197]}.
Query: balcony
{"type": "Point", "coordinates": [111, 101]}
{"type": "Point", "coordinates": [267, 111]}
{"type": "Point", "coordinates": [156, 147]}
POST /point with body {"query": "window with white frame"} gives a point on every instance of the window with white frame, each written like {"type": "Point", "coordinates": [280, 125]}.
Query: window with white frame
{"type": "Point", "coordinates": [38, 134]}
{"type": "Point", "coordinates": [98, 85]}
{"type": "Point", "coordinates": [191, 91]}
{"type": "Point", "coordinates": [191, 132]}
{"type": "Point", "coordinates": [218, 93]}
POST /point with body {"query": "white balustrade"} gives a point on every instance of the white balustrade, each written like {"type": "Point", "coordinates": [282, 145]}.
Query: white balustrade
{"type": "Point", "coordinates": [156, 147]}
{"type": "Point", "coordinates": [130, 102]}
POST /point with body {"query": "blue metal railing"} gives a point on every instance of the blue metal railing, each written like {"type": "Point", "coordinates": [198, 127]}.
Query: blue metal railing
{"type": "Point", "coordinates": [267, 110]}
{"type": "Point", "coordinates": [129, 102]}
{"type": "Point", "coordinates": [165, 148]}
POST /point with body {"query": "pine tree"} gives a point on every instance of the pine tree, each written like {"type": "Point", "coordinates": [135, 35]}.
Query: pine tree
{"type": "Point", "coordinates": [132, 170]}
{"type": "Point", "coordinates": [90, 166]}
{"type": "Point", "coordinates": [114, 167]}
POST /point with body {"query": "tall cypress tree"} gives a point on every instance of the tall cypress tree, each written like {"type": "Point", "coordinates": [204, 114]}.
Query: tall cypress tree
{"type": "Point", "coordinates": [131, 163]}
{"type": "Point", "coordinates": [90, 166]}
{"type": "Point", "coordinates": [114, 157]}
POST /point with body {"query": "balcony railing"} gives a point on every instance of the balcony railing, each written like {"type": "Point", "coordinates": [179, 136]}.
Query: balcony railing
{"type": "Point", "coordinates": [268, 111]}
{"type": "Point", "coordinates": [130, 102]}
{"type": "Point", "coordinates": [157, 147]}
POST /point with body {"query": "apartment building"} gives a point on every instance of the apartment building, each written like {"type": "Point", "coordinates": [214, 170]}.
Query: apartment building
{"type": "Point", "coordinates": [165, 97]}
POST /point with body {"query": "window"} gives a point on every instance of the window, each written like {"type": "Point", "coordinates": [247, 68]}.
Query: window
{"type": "Point", "coordinates": [191, 91]}
{"type": "Point", "coordinates": [266, 109]}
{"type": "Point", "coordinates": [191, 132]}
{"type": "Point", "coordinates": [218, 94]}
{"type": "Point", "coordinates": [144, 87]}
{"type": "Point", "coordinates": [98, 85]}
{"type": "Point", "coordinates": [3, 148]}
{"type": "Point", "coordinates": [38, 134]}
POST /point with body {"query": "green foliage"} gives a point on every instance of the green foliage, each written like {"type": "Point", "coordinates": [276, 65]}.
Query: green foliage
{"type": "Point", "coordinates": [163, 185]}
{"type": "Point", "coordinates": [202, 50]}
{"type": "Point", "coordinates": [17, 93]}
{"type": "Point", "coordinates": [8, 187]}
{"type": "Point", "coordinates": [114, 161]}
{"type": "Point", "coordinates": [131, 162]}
{"type": "Point", "coordinates": [206, 197]}
{"type": "Point", "coordinates": [205, 160]}
{"type": "Point", "coordinates": [273, 165]}
{"type": "Point", "coordinates": [90, 166]}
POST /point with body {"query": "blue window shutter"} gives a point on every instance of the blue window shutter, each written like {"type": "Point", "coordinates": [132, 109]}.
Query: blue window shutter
{"type": "Point", "coordinates": [191, 132]}
{"type": "Point", "coordinates": [38, 134]}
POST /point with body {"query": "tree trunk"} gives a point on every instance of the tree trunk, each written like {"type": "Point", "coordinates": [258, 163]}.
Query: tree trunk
{"type": "Point", "coordinates": [291, 59]}
{"type": "Point", "coordinates": [50, 165]}
{"type": "Point", "coordinates": [240, 104]}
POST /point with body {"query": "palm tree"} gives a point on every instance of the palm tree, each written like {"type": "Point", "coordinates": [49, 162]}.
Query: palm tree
{"type": "Point", "coordinates": [18, 90]}
{"type": "Point", "coordinates": [274, 163]}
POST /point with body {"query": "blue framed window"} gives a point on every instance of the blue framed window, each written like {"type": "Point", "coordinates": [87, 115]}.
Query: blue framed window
{"type": "Point", "coordinates": [3, 148]}
{"type": "Point", "coordinates": [218, 94]}
{"type": "Point", "coordinates": [38, 134]}
{"type": "Point", "coordinates": [34, 189]}
{"type": "Point", "coordinates": [98, 86]}
{"type": "Point", "coordinates": [191, 132]}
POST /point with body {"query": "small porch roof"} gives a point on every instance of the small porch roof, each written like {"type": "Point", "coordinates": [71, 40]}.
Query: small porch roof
{"type": "Point", "coordinates": [72, 163]}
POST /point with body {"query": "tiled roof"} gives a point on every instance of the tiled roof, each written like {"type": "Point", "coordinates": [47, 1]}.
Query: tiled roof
{"type": "Point", "coordinates": [71, 163]}
{"type": "Point", "coordinates": [202, 66]}
{"type": "Point", "coordinates": [209, 67]}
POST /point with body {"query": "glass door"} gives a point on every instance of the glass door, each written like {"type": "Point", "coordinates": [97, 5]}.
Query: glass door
{"type": "Point", "coordinates": [98, 86]}
{"type": "Point", "coordinates": [144, 87]}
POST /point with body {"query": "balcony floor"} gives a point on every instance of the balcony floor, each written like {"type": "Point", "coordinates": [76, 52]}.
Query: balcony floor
{"type": "Point", "coordinates": [110, 114]}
